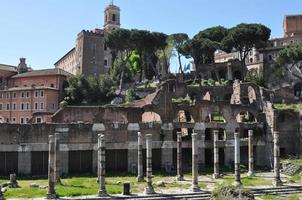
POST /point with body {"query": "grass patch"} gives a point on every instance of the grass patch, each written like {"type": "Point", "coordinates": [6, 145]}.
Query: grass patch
{"type": "Point", "coordinates": [270, 197]}
{"type": "Point", "coordinates": [294, 197]}
{"type": "Point", "coordinates": [247, 181]}
{"type": "Point", "coordinates": [294, 107]}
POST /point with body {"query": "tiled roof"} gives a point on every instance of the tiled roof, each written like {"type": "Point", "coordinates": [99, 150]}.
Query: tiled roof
{"type": "Point", "coordinates": [43, 72]}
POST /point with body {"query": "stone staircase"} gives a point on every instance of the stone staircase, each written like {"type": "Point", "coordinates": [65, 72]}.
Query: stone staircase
{"type": "Point", "coordinates": [291, 169]}
{"type": "Point", "coordinates": [285, 190]}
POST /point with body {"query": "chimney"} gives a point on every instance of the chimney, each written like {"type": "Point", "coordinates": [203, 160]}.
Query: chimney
{"type": "Point", "coordinates": [22, 67]}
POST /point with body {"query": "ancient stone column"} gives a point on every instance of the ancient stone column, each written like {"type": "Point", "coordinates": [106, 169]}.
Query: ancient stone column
{"type": "Point", "coordinates": [102, 165]}
{"type": "Point", "coordinates": [57, 158]}
{"type": "Point", "coordinates": [1, 194]}
{"type": "Point", "coordinates": [180, 176]}
{"type": "Point", "coordinates": [251, 153]}
{"type": "Point", "coordinates": [140, 173]}
{"type": "Point", "coordinates": [195, 187]}
{"type": "Point", "coordinates": [277, 181]}
{"type": "Point", "coordinates": [237, 159]}
{"type": "Point", "coordinates": [51, 194]}
{"type": "Point", "coordinates": [216, 155]}
{"type": "Point", "coordinates": [149, 189]}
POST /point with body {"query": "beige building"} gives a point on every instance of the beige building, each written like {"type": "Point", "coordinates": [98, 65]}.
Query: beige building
{"type": "Point", "coordinates": [90, 56]}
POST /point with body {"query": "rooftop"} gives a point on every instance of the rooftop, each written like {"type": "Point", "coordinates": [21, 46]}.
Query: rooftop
{"type": "Point", "coordinates": [43, 72]}
{"type": "Point", "coordinates": [8, 68]}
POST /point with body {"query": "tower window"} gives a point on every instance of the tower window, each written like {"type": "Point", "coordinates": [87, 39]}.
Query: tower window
{"type": "Point", "coordinates": [105, 62]}
{"type": "Point", "coordinates": [114, 17]}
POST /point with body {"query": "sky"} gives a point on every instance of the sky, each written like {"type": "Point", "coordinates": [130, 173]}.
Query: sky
{"type": "Point", "coordinates": [44, 30]}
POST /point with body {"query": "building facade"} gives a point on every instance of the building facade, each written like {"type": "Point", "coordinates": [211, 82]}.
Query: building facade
{"type": "Point", "coordinates": [90, 56]}
{"type": "Point", "coordinates": [31, 96]}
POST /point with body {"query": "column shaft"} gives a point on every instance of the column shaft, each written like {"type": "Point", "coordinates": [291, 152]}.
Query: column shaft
{"type": "Point", "coordinates": [180, 176]}
{"type": "Point", "coordinates": [57, 158]}
{"type": "Point", "coordinates": [237, 159]}
{"type": "Point", "coordinates": [251, 153]}
{"type": "Point", "coordinates": [140, 173]}
{"type": "Point", "coordinates": [51, 194]}
{"type": "Point", "coordinates": [277, 179]}
{"type": "Point", "coordinates": [149, 189]}
{"type": "Point", "coordinates": [216, 155]}
{"type": "Point", "coordinates": [195, 187]}
{"type": "Point", "coordinates": [102, 165]}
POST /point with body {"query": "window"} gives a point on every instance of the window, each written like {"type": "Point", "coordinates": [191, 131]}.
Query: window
{"type": "Point", "coordinates": [42, 106]}
{"type": "Point", "coordinates": [114, 17]}
{"type": "Point", "coordinates": [39, 120]}
{"type": "Point", "coordinates": [14, 95]}
{"type": "Point", "coordinates": [7, 95]}
{"type": "Point", "coordinates": [22, 106]}
{"type": "Point", "coordinates": [27, 119]}
{"type": "Point", "coordinates": [1, 106]}
{"type": "Point", "coordinates": [105, 47]}
{"type": "Point", "coordinates": [7, 106]}
{"type": "Point", "coordinates": [41, 93]}
{"type": "Point", "coordinates": [22, 120]}
{"type": "Point", "coordinates": [105, 62]}
{"type": "Point", "coordinates": [14, 107]}
{"type": "Point", "coordinates": [27, 94]}
{"type": "Point", "coordinates": [52, 85]}
{"type": "Point", "coordinates": [270, 57]}
{"type": "Point", "coordinates": [27, 106]}
{"type": "Point", "coordinates": [36, 94]}
{"type": "Point", "coordinates": [22, 94]}
{"type": "Point", "coordinates": [14, 120]}
{"type": "Point", "coordinates": [36, 106]}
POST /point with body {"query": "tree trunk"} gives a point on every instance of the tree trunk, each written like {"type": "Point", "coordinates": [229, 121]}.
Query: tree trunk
{"type": "Point", "coordinates": [180, 64]}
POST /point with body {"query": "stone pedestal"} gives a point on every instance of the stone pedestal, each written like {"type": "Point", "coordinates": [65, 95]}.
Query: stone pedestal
{"type": "Point", "coordinates": [251, 153]}
{"type": "Point", "coordinates": [57, 158]}
{"type": "Point", "coordinates": [180, 176]}
{"type": "Point", "coordinates": [102, 165]}
{"type": "Point", "coordinates": [195, 187]}
{"type": "Point", "coordinates": [277, 180]}
{"type": "Point", "coordinates": [140, 173]}
{"type": "Point", "coordinates": [51, 194]}
{"type": "Point", "coordinates": [149, 189]}
{"type": "Point", "coordinates": [237, 181]}
{"type": "Point", "coordinates": [216, 155]}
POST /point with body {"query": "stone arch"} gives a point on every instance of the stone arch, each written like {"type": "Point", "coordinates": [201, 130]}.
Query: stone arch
{"type": "Point", "coordinates": [151, 117]}
{"type": "Point", "coordinates": [246, 117]}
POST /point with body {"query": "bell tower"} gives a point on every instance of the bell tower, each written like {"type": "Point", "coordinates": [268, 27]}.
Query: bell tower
{"type": "Point", "coordinates": [112, 17]}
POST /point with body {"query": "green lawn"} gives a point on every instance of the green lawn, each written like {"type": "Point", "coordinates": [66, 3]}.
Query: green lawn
{"type": "Point", "coordinates": [83, 186]}
{"type": "Point", "coordinates": [248, 181]}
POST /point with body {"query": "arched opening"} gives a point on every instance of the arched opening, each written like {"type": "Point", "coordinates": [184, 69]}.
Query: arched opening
{"type": "Point", "coordinates": [298, 90]}
{"type": "Point", "coordinates": [222, 74]}
{"type": "Point", "coordinates": [251, 94]}
{"type": "Point", "coordinates": [245, 117]}
{"type": "Point", "coordinates": [151, 117]}
{"type": "Point", "coordinates": [237, 75]}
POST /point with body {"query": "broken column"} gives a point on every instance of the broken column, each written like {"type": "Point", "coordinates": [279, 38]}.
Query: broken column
{"type": "Point", "coordinates": [102, 165]}
{"type": "Point", "coordinates": [277, 181]}
{"type": "Point", "coordinates": [237, 158]}
{"type": "Point", "coordinates": [51, 194]}
{"type": "Point", "coordinates": [180, 176]}
{"type": "Point", "coordinates": [13, 181]}
{"type": "Point", "coordinates": [216, 155]}
{"type": "Point", "coordinates": [140, 173]}
{"type": "Point", "coordinates": [149, 189]}
{"type": "Point", "coordinates": [57, 158]}
{"type": "Point", "coordinates": [195, 187]}
{"type": "Point", "coordinates": [251, 153]}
